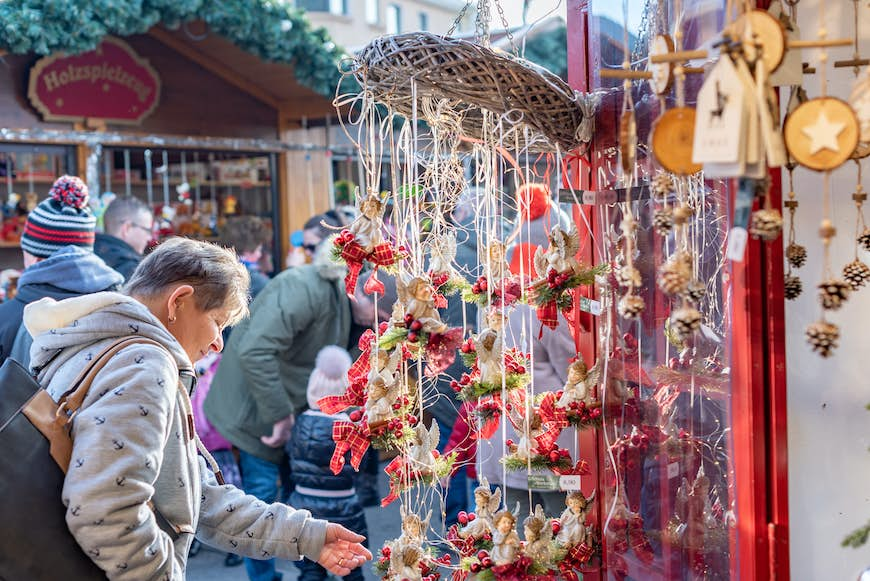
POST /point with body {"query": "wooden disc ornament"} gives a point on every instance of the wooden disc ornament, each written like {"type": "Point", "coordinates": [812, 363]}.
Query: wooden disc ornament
{"type": "Point", "coordinates": [628, 141]}
{"type": "Point", "coordinates": [859, 100]}
{"type": "Point", "coordinates": [822, 133]}
{"type": "Point", "coordinates": [761, 32]}
{"type": "Point", "coordinates": [672, 141]}
{"type": "Point", "coordinates": [662, 73]}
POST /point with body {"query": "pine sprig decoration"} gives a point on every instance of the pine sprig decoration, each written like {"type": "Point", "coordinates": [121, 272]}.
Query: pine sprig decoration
{"type": "Point", "coordinates": [857, 538]}
{"type": "Point", "coordinates": [537, 462]}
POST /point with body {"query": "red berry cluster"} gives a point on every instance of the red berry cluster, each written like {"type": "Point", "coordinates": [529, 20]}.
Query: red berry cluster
{"type": "Point", "coordinates": [557, 526]}
{"type": "Point", "coordinates": [414, 327]}
{"type": "Point", "coordinates": [480, 286]}
{"type": "Point", "coordinates": [438, 279]}
{"type": "Point", "coordinates": [513, 365]}
{"type": "Point", "coordinates": [579, 413]}
{"type": "Point", "coordinates": [464, 518]}
{"type": "Point", "coordinates": [457, 386]}
{"type": "Point", "coordinates": [468, 346]}
{"type": "Point", "coordinates": [627, 349]}
{"type": "Point", "coordinates": [557, 280]}
{"type": "Point", "coordinates": [484, 561]}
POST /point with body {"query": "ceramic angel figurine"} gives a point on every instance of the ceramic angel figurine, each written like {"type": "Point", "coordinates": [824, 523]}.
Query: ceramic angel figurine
{"type": "Point", "coordinates": [418, 297]}
{"type": "Point", "coordinates": [384, 387]}
{"type": "Point", "coordinates": [580, 383]}
{"type": "Point", "coordinates": [560, 254]}
{"type": "Point", "coordinates": [489, 346]}
{"type": "Point", "coordinates": [524, 448]}
{"type": "Point", "coordinates": [407, 552]}
{"type": "Point", "coordinates": [486, 504]}
{"type": "Point", "coordinates": [505, 540]}
{"type": "Point", "coordinates": [497, 267]}
{"type": "Point", "coordinates": [443, 253]}
{"type": "Point", "coordinates": [538, 533]}
{"type": "Point", "coordinates": [366, 229]}
{"type": "Point", "coordinates": [573, 529]}
{"type": "Point", "coordinates": [420, 448]}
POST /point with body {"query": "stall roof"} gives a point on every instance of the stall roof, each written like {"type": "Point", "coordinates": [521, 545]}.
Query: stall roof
{"type": "Point", "coordinates": [264, 47]}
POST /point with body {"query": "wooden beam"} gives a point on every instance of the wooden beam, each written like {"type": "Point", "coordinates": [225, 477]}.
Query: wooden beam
{"type": "Point", "coordinates": [213, 66]}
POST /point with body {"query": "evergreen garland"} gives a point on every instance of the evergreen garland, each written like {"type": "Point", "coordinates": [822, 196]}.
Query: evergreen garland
{"type": "Point", "coordinates": [273, 31]}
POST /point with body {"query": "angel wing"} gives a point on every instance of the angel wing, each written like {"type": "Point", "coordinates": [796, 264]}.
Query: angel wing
{"type": "Point", "coordinates": [402, 291]}
{"type": "Point", "coordinates": [434, 436]}
{"type": "Point", "coordinates": [443, 251]}
{"type": "Point", "coordinates": [494, 501]}
{"type": "Point", "coordinates": [572, 241]}
{"type": "Point", "coordinates": [515, 418]}
{"type": "Point", "coordinates": [593, 376]}
{"type": "Point", "coordinates": [540, 261]}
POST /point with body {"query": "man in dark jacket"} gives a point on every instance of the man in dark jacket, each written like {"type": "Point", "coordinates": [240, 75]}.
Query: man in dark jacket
{"type": "Point", "coordinates": [58, 261]}
{"type": "Point", "coordinates": [128, 224]}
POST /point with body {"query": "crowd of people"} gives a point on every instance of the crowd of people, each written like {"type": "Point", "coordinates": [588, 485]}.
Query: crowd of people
{"type": "Point", "coordinates": [261, 351]}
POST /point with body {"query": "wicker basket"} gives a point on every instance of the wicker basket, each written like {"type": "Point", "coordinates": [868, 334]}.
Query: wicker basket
{"type": "Point", "coordinates": [519, 94]}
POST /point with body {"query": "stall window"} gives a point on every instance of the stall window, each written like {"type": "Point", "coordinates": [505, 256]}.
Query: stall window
{"type": "Point", "coordinates": [424, 21]}
{"type": "Point", "coordinates": [193, 193]}
{"type": "Point", "coordinates": [26, 173]}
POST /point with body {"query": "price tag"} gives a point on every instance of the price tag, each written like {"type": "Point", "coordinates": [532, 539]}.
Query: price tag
{"type": "Point", "coordinates": [569, 483]}
{"type": "Point", "coordinates": [543, 482]}
{"type": "Point", "coordinates": [588, 305]}
{"type": "Point", "coordinates": [673, 470]}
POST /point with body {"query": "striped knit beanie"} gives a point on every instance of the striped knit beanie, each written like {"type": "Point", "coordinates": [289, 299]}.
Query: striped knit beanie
{"type": "Point", "coordinates": [63, 219]}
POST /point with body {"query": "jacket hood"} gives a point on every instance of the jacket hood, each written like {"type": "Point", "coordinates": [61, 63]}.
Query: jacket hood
{"type": "Point", "coordinates": [71, 270]}
{"type": "Point", "coordinates": [87, 319]}
{"type": "Point", "coordinates": [327, 268]}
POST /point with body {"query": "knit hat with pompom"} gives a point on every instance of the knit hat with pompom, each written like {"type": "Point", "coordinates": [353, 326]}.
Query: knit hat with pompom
{"type": "Point", "coordinates": [63, 219]}
{"type": "Point", "coordinates": [330, 374]}
{"type": "Point", "coordinates": [533, 201]}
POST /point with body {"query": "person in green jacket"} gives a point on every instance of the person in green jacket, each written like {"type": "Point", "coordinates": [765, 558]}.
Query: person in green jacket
{"type": "Point", "coordinates": [260, 384]}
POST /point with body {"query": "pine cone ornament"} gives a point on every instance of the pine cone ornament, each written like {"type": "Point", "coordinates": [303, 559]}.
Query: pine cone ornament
{"type": "Point", "coordinates": [856, 274]}
{"type": "Point", "coordinates": [628, 276]}
{"type": "Point", "coordinates": [793, 287]}
{"type": "Point", "coordinates": [864, 239]}
{"type": "Point", "coordinates": [675, 274]}
{"type": "Point", "coordinates": [823, 336]}
{"type": "Point", "coordinates": [662, 185]}
{"type": "Point", "coordinates": [685, 321]}
{"type": "Point", "coordinates": [766, 224]}
{"type": "Point", "coordinates": [696, 291]}
{"type": "Point", "coordinates": [631, 306]}
{"type": "Point", "coordinates": [796, 255]}
{"type": "Point", "coordinates": [833, 293]}
{"type": "Point", "coordinates": [663, 221]}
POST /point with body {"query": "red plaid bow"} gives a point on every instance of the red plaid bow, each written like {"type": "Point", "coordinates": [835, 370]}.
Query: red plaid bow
{"type": "Point", "coordinates": [578, 556]}
{"type": "Point", "coordinates": [362, 365]}
{"type": "Point", "coordinates": [348, 437]}
{"type": "Point", "coordinates": [394, 471]}
{"type": "Point", "coordinates": [548, 315]}
{"type": "Point", "coordinates": [554, 418]}
{"type": "Point", "coordinates": [354, 396]}
{"type": "Point", "coordinates": [354, 255]}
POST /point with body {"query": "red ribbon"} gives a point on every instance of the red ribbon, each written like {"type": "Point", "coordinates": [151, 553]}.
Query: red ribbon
{"type": "Point", "coordinates": [578, 556]}
{"type": "Point", "coordinates": [362, 366]}
{"type": "Point", "coordinates": [348, 437]}
{"type": "Point", "coordinates": [354, 255]}
{"type": "Point", "coordinates": [355, 395]}
{"type": "Point", "coordinates": [548, 315]}
{"type": "Point", "coordinates": [553, 417]}
{"type": "Point", "coordinates": [394, 468]}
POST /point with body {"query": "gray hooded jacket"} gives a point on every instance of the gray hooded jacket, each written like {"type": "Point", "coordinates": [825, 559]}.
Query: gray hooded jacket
{"type": "Point", "coordinates": [132, 444]}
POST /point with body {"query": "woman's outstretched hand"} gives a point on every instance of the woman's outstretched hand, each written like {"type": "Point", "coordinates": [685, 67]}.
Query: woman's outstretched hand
{"type": "Point", "coordinates": [342, 551]}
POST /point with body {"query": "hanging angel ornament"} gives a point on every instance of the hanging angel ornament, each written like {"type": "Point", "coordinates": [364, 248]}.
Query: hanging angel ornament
{"type": "Point", "coordinates": [539, 533]}
{"type": "Point", "coordinates": [486, 503]}
{"type": "Point", "coordinates": [558, 272]}
{"type": "Point", "coordinates": [422, 446]}
{"type": "Point", "coordinates": [364, 242]}
{"type": "Point", "coordinates": [505, 540]}
{"type": "Point", "coordinates": [405, 558]}
{"type": "Point", "coordinates": [488, 345]}
{"type": "Point", "coordinates": [581, 382]}
{"type": "Point", "coordinates": [572, 524]}
{"type": "Point", "coordinates": [384, 387]}
{"type": "Point", "coordinates": [498, 287]}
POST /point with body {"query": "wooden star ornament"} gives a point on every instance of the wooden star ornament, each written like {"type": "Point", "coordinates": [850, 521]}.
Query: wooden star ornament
{"type": "Point", "coordinates": [822, 133]}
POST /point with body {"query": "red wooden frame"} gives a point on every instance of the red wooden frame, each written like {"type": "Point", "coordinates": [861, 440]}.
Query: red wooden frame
{"type": "Point", "coordinates": [759, 413]}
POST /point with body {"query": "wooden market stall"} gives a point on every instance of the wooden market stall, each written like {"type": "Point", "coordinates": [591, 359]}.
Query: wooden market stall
{"type": "Point", "coordinates": [198, 117]}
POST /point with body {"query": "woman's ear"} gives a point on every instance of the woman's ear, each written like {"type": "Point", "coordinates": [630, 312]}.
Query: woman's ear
{"type": "Point", "coordinates": [177, 298]}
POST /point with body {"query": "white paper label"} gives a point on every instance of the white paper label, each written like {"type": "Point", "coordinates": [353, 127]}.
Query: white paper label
{"type": "Point", "coordinates": [569, 483]}
{"type": "Point", "coordinates": [590, 306]}
{"type": "Point", "coordinates": [737, 238]}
